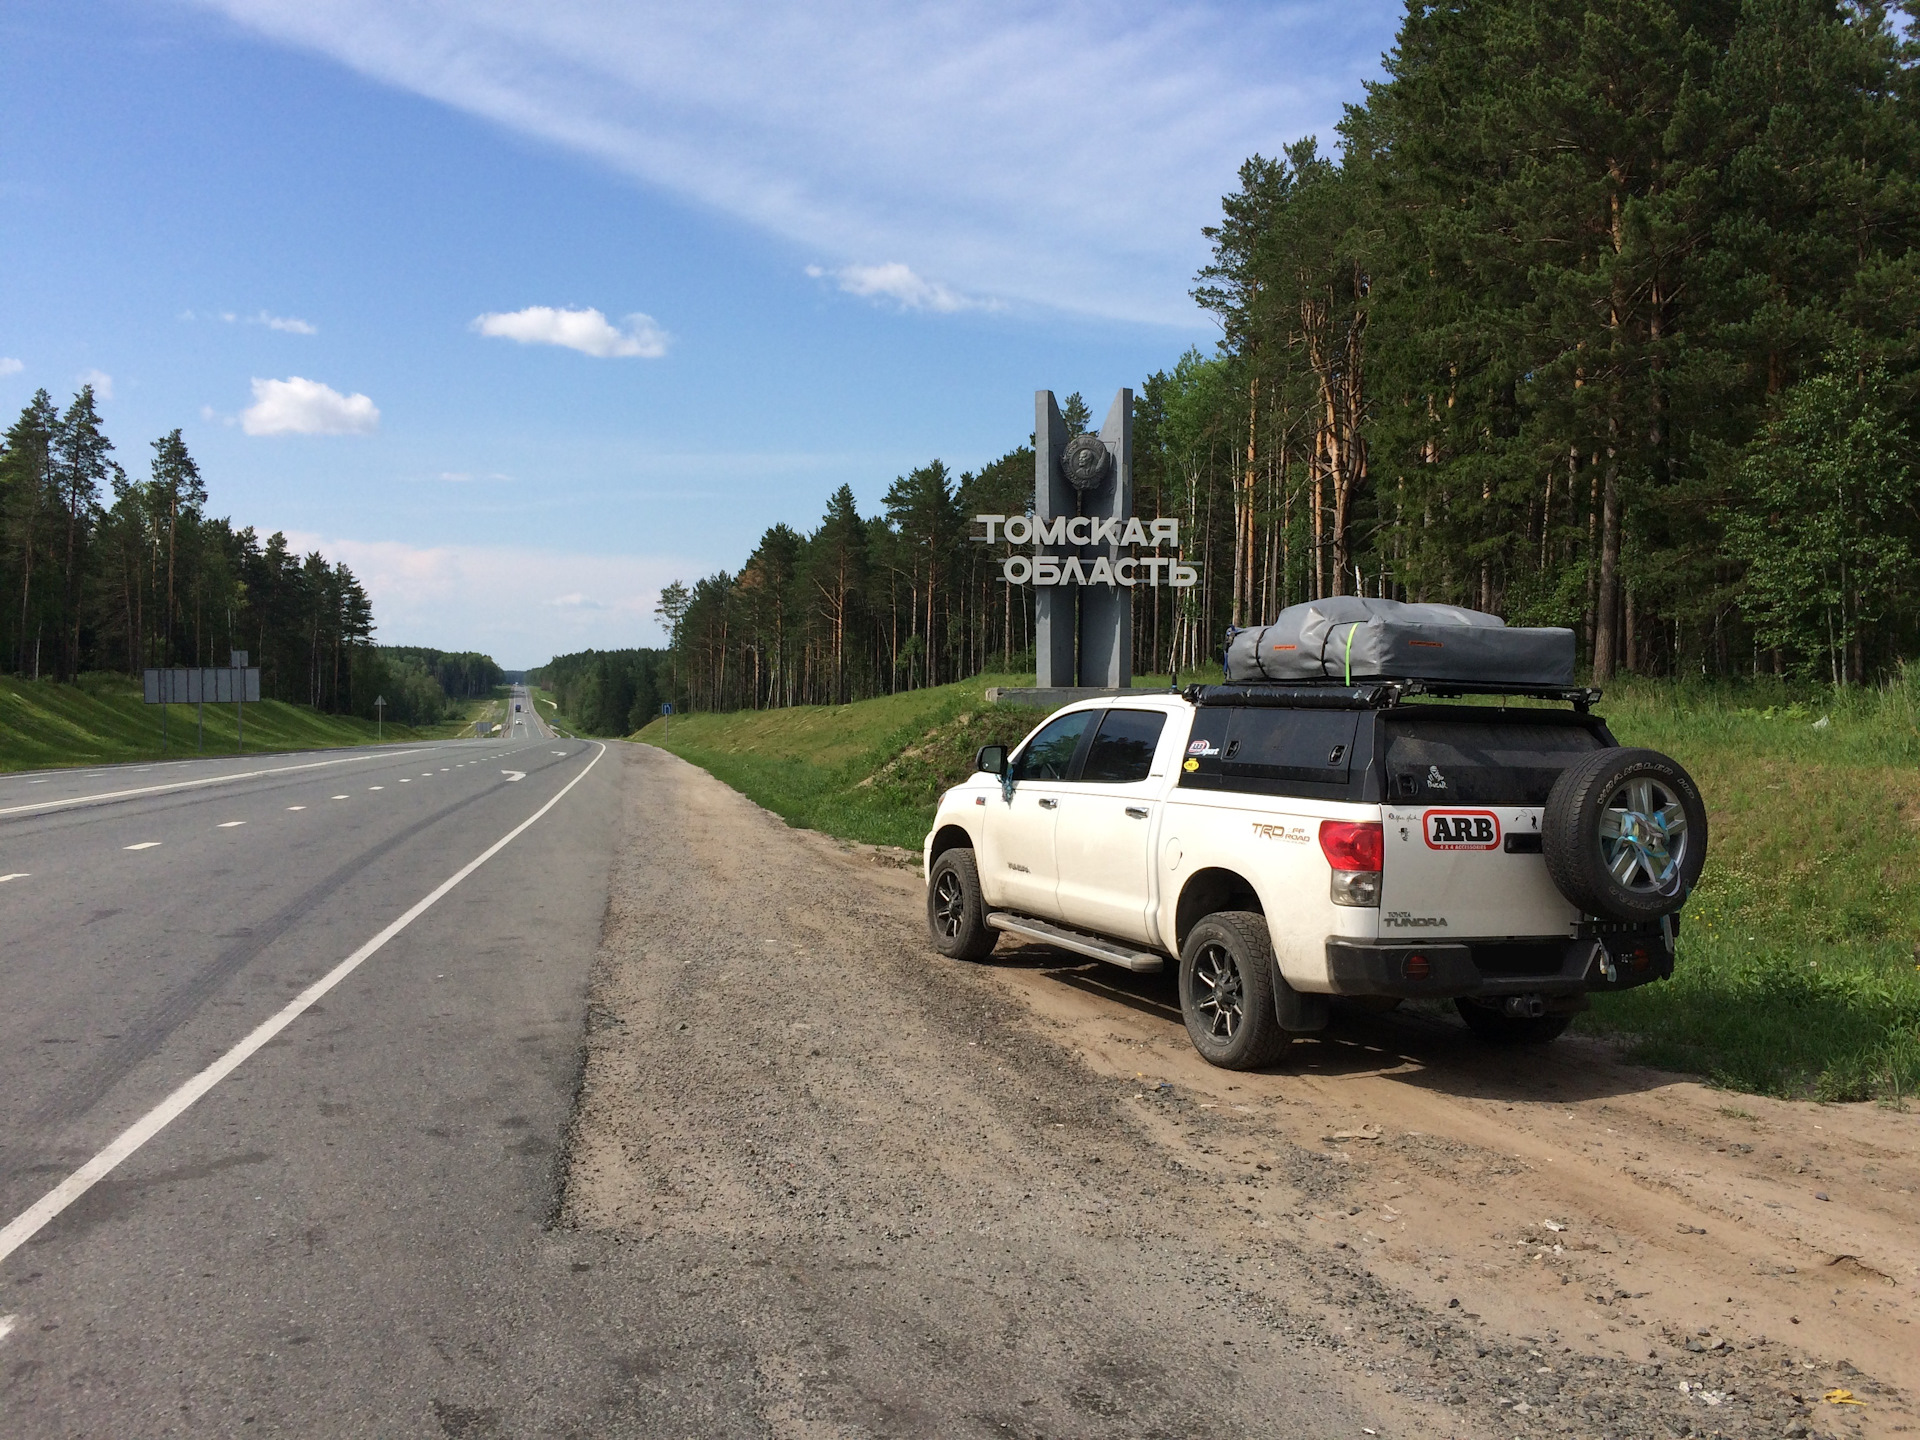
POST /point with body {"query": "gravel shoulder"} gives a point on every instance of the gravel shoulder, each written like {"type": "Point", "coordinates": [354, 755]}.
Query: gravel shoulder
{"type": "Point", "coordinates": [930, 1198]}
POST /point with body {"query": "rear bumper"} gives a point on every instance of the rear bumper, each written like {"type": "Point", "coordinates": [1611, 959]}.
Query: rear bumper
{"type": "Point", "coordinates": [1636, 955]}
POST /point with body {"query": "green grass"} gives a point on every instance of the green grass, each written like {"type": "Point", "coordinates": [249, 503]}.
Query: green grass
{"type": "Point", "coordinates": [1797, 973]}
{"type": "Point", "coordinates": [101, 720]}
{"type": "Point", "coordinates": [549, 710]}
{"type": "Point", "coordinates": [871, 771]}
{"type": "Point", "coordinates": [1797, 970]}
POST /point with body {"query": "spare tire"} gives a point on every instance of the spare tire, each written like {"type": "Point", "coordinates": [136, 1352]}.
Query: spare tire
{"type": "Point", "coordinates": [1625, 834]}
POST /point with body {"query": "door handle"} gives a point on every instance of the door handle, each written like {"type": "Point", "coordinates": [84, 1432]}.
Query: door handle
{"type": "Point", "coordinates": [1049, 804]}
{"type": "Point", "coordinates": [1136, 812]}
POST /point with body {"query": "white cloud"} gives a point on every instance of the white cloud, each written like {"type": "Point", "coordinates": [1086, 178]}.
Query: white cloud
{"type": "Point", "coordinates": [897, 282]}
{"type": "Point", "coordinates": [1046, 151]}
{"type": "Point", "coordinates": [10, 366]}
{"type": "Point", "coordinates": [438, 595]}
{"type": "Point", "coordinates": [587, 331]}
{"type": "Point", "coordinates": [286, 324]}
{"type": "Point", "coordinates": [306, 407]}
{"type": "Point", "coordinates": [101, 381]}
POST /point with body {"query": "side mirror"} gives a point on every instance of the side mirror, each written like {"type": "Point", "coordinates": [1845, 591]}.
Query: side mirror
{"type": "Point", "coordinates": [992, 759]}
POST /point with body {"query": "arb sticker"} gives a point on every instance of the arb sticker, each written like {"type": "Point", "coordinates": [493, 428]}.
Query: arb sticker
{"type": "Point", "coordinates": [1461, 829]}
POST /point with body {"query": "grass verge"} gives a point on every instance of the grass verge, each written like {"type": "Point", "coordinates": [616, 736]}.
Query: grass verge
{"type": "Point", "coordinates": [1797, 971]}
{"type": "Point", "coordinates": [102, 720]}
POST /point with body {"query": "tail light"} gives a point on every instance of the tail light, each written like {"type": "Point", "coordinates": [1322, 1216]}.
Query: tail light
{"type": "Point", "coordinates": [1350, 845]}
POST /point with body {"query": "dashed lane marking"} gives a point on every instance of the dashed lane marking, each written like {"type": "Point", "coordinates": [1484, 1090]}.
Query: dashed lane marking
{"type": "Point", "coordinates": [229, 824]}
{"type": "Point", "coordinates": [185, 784]}
{"type": "Point", "coordinates": [17, 875]}
{"type": "Point", "coordinates": [296, 807]}
{"type": "Point", "coordinates": [29, 1222]}
{"type": "Point", "coordinates": [143, 845]}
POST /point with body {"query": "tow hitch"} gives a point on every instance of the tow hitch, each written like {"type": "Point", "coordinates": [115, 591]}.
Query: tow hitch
{"type": "Point", "coordinates": [1524, 1007]}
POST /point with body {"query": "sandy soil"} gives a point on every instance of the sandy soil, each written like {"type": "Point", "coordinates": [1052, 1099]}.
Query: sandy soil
{"type": "Point", "coordinates": [1009, 1199]}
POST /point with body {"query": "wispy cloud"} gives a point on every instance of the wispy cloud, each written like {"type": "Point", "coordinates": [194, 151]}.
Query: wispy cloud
{"type": "Point", "coordinates": [101, 382]}
{"type": "Point", "coordinates": [897, 282]}
{"type": "Point", "coordinates": [10, 366]}
{"type": "Point", "coordinates": [285, 324]}
{"type": "Point", "coordinates": [467, 477]}
{"type": "Point", "coordinates": [587, 331]}
{"type": "Point", "coordinates": [1053, 152]}
{"type": "Point", "coordinates": [295, 406]}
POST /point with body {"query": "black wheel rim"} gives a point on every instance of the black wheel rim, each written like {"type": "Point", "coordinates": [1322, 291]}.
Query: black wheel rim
{"type": "Point", "coordinates": [1643, 837]}
{"type": "Point", "coordinates": [1219, 997]}
{"type": "Point", "coordinates": [949, 904]}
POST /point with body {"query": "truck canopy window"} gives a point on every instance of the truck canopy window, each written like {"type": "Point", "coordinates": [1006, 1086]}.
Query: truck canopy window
{"type": "Point", "coordinates": [1050, 755]}
{"type": "Point", "coordinates": [1463, 763]}
{"type": "Point", "coordinates": [1122, 751]}
{"type": "Point", "coordinates": [1269, 751]}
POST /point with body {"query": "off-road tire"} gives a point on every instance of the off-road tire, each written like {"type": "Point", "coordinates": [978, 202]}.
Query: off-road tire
{"type": "Point", "coordinates": [1227, 977]}
{"type": "Point", "coordinates": [1498, 1029]}
{"type": "Point", "coordinates": [956, 915]}
{"type": "Point", "coordinates": [1574, 838]}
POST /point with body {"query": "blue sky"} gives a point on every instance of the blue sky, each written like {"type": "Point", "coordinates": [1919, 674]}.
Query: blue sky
{"type": "Point", "coordinates": [348, 245]}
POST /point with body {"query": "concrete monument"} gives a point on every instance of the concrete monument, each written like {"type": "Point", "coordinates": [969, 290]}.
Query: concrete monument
{"type": "Point", "coordinates": [1084, 632]}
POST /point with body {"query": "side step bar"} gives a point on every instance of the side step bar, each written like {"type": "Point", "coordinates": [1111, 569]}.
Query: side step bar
{"type": "Point", "coordinates": [1143, 962]}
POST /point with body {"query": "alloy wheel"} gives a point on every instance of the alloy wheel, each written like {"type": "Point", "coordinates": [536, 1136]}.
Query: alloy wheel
{"type": "Point", "coordinates": [949, 904]}
{"type": "Point", "coordinates": [1218, 992]}
{"type": "Point", "coordinates": [1643, 836]}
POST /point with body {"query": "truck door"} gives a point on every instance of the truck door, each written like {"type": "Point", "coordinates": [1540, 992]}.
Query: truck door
{"type": "Point", "coordinates": [1018, 870]}
{"type": "Point", "coordinates": [1103, 830]}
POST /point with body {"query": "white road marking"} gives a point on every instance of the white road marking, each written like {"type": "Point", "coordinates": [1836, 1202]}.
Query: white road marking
{"type": "Point", "coordinates": [17, 875]}
{"type": "Point", "coordinates": [296, 807]}
{"type": "Point", "coordinates": [376, 787]}
{"type": "Point", "coordinates": [513, 775]}
{"type": "Point", "coordinates": [188, 784]}
{"type": "Point", "coordinates": [39, 782]}
{"type": "Point", "coordinates": [229, 824]}
{"type": "Point", "coordinates": [336, 797]}
{"type": "Point", "coordinates": [405, 781]}
{"type": "Point", "coordinates": [7, 1322]}
{"type": "Point", "coordinates": [29, 1222]}
{"type": "Point", "coordinates": [143, 845]}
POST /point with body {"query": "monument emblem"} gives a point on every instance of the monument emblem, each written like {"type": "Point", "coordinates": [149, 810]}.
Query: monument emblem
{"type": "Point", "coordinates": [1084, 632]}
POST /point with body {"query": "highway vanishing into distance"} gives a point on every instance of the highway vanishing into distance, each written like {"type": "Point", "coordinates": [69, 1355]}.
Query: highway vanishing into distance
{"type": "Point", "coordinates": [531, 1086]}
{"type": "Point", "coordinates": [365, 1192]}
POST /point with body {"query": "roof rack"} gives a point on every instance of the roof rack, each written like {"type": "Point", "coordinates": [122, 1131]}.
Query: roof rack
{"type": "Point", "coordinates": [1377, 694]}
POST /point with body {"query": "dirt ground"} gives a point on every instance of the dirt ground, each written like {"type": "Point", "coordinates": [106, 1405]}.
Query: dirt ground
{"type": "Point", "coordinates": [1008, 1199]}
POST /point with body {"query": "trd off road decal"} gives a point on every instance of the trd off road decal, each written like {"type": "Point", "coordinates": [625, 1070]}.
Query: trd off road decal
{"type": "Point", "coordinates": [1461, 829]}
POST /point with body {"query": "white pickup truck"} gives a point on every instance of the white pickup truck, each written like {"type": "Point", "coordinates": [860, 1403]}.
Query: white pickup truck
{"type": "Point", "coordinates": [1291, 843]}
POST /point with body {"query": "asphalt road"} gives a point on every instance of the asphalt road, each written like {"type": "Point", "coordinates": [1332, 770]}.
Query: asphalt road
{"type": "Point", "coordinates": [346, 1234]}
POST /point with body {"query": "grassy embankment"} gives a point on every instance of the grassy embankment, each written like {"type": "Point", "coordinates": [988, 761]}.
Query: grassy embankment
{"type": "Point", "coordinates": [102, 720]}
{"type": "Point", "coordinates": [549, 710]}
{"type": "Point", "coordinates": [1797, 970]}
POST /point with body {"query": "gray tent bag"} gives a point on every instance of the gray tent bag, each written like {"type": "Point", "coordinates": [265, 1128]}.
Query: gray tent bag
{"type": "Point", "coordinates": [1349, 637]}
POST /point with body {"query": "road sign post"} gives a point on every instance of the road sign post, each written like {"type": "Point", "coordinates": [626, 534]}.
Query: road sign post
{"type": "Point", "coordinates": [666, 727]}
{"type": "Point", "coordinates": [195, 686]}
{"type": "Point", "coordinates": [237, 661]}
{"type": "Point", "coordinates": [379, 718]}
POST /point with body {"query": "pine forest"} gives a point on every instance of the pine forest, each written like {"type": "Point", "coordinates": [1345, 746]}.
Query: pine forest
{"type": "Point", "coordinates": [1604, 316]}
{"type": "Point", "coordinates": [103, 570]}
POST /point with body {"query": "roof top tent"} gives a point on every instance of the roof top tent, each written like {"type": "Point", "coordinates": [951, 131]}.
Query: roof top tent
{"type": "Point", "coordinates": [1349, 638]}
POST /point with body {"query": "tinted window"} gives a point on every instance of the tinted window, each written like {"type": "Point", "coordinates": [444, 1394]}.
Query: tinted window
{"type": "Point", "coordinates": [1459, 762]}
{"type": "Point", "coordinates": [1051, 751]}
{"type": "Point", "coordinates": [1123, 748]}
{"type": "Point", "coordinates": [1266, 750]}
